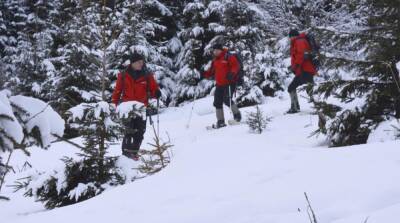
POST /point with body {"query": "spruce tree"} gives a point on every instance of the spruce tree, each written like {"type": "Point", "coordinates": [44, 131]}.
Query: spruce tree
{"type": "Point", "coordinates": [245, 35]}
{"type": "Point", "coordinates": [355, 104]}
{"type": "Point", "coordinates": [89, 176]}
{"type": "Point", "coordinates": [257, 121]}
{"type": "Point", "coordinates": [25, 122]}
{"type": "Point", "coordinates": [31, 50]}
{"type": "Point", "coordinates": [198, 22]}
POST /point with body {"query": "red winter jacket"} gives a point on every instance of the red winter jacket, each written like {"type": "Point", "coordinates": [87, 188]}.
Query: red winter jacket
{"type": "Point", "coordinates": [134, 89]}
{"type": "Point", "coordinates": [299, 45]}
{"type": "Point", "coordinates": [220, 68]}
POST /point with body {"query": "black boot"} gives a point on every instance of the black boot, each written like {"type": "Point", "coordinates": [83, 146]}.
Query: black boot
{"type": "Point", "coordinates": [130, 147]}
{"type": "Point", "coordinates": [220, 124]}
{"type": "Point", "coordinates": [237, 117]}
{"type": "Point", "coordinates": [131, 154]}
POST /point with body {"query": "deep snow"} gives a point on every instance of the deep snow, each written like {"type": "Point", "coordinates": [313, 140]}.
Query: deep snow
{"type": "Point", "coordinates": [231, 175]}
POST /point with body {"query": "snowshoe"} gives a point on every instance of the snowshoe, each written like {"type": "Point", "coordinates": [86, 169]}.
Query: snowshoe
{"type": "Point", "coordinates": [233, 122]}
{"type": "Point", "coordinates": [292, 111]}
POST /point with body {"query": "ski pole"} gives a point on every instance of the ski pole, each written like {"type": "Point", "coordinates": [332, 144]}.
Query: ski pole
{"type": "Point", "coordinates": [191, 112]}
{"type": "Point", "coordinates": [230, 99]}
{"type": "Point", "coordinates": [148, 115]}
{"type": "Point", "coordinates": [158, 116]}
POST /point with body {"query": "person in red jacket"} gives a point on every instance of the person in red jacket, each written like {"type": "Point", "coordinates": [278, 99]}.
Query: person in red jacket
{"type": "Point", "coordinates": [301, 65]}
{"type": "Point", "coordinates": [136, 83]}
{"type": "Point", "coordinates": [224, 69]}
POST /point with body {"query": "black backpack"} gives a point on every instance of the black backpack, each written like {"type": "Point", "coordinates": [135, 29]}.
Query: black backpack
{"type": "Point", "coordinates": [315, 50]}
{"type": "Point", "coordinates": [241, 73]}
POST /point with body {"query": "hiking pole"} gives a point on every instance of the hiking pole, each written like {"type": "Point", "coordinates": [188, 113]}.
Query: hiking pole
{"type": "Point", "coordinates": [148, 115]}
{"type": "Point", "coordinates": [158, 116]}
{"type": "Point", "coordinates": [191, 112]}
{"type": "Point", "coordinates": [230, 99]}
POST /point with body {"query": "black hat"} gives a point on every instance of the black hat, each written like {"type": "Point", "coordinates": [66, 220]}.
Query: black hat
{"type": "Point", "coordinates": [136, 57]}
{"type": "Point", "coordinates": [218, 46]}
{"type": "Point", "coordinates": [293, 33]}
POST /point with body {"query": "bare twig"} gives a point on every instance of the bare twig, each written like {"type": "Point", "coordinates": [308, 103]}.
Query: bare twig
{"type": "Point", "coordinates": [6, 171]}
{"type": "Point", "coordinates": [68, 141]}
{"type": "Point", "coordinates": [35, 115]}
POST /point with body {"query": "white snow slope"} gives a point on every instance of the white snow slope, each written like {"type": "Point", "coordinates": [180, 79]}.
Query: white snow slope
{"type": "Point", "coordinates": [231, 175]}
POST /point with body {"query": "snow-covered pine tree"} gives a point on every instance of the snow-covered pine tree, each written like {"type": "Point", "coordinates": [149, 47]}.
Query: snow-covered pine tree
{"type": "Point", "coordinates": [238, 25]}
{"type": "Point", "coordinates": [362, 87]}
{"type": "Point", "coordinates": [160, 31]}
{"type": "Point", "coordinates": [257, 121]}
{"type": "Point", "coordinates": [146, 27]}
{"type": "Point", "coordinates": [30, 47]}
{"type": "Point", "coordinates": [24, 122]}
{"type": "Point", "coordinates": [3, 43]}
{"type": "Point", "coordinates": [243, 35]}
{"type": "Point", "coordinates": [200, 23]}
{"type": "Point", "coordinates": [14, 19]}
{"type": "Point", "coordinates": [78, 79]}
{"type": "Point", "coordinates": [84, 75]}
{"type": "Point", "coordinates": [87, 177]}
{"type": "Point", "coordinates": [270, 71]}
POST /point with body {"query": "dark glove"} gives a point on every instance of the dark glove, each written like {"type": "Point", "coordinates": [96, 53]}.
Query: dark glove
{"type": "Point", "coordinates": [158, 94]}
{"type": "Point", "coordinates": [229, 77]}
{"type": "Point", "coordinates": [149, 111]}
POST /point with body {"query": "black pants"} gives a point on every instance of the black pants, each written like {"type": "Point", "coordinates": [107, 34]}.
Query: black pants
{"type": "Point", "coordinates": [304, 78]}
{"type": "Point", "coordinates": [221, 95]}
{"type": "Point", "coordinates": [134, 131]}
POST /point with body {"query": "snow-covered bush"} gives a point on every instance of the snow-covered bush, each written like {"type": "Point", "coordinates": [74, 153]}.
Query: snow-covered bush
{"type": "Point", "coordinates": [25, 121]}
{"type": "Point", "coordinates": [89, 176]}
{"type": "Point", "coordinates": [95, 171]}
{"type": "Point", "coordinates": [257, 121]}
{"type": "Point", "coordinates": [76, 182]}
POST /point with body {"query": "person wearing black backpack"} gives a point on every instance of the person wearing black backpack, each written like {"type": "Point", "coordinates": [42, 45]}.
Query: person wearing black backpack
{"type": "Point", "coordinates": [136, 83]}
{"type": "Point", "coordinates": [226, 69]}
{"type": "Point", "coordinates": [303, 65]}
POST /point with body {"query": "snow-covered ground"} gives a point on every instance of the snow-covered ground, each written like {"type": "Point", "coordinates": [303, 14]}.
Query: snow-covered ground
{"type": "Point", "coordinates": [231, 175]}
